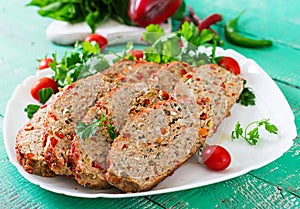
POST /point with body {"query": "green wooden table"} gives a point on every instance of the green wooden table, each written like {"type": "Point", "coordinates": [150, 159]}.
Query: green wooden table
{"type": "Point", "coordinates": [277, 185]}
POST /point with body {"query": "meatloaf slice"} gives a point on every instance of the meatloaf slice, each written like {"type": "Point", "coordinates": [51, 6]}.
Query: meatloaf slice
{"type": "Point", "coordinates": [29, 148]}
{"type": "Point", "coordinates": [153, 144]}
{"type": "Point", "coordinates": [68, 110]}
{"type": "Point", "coordinates": [232, 84]}
{"type": "Point", "coordinates": [117, 68]}
{"type": "Point", "coordinates": [89, 154]}
{"type": "Point", "coordinates": [139, 72]}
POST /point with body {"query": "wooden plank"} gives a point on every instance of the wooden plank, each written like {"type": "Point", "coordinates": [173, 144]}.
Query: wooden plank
{"type": "Point", "coordinates": [17, 192]}
{"type": "Point", "coordinates": [278, 22]}
{"type": "Point", "coordinates": [242, 192]}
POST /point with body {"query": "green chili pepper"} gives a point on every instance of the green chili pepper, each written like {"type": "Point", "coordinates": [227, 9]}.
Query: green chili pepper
{"type": "Point", "coordinates": [237, 39]}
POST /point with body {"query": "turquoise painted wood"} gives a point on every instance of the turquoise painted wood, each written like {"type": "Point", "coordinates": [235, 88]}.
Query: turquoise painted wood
{"type": "Point", "coordinates": [22, 41]}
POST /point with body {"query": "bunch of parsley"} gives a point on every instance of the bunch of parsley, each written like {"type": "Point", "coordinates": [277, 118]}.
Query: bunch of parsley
{"type": "Point", "coordinates": [182, 45]}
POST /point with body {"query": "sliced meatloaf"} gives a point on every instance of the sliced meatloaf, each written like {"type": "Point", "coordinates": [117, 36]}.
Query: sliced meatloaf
{"type": "Point", "coordinates": [68, 110]}
{"type": "Point", "coordinates": [29, 147]}
{"type": "Point", "coordinates": [117, 68]}
{"type": "Point", "coordinates": [153, 144]}
{"type": "Point", "coordinates": [141, 71]}
{"type": "Point", "coordinates": [169, 74]}
{"type": "Point", "coordinates": [214, 86]}
{"type": "Point", "coordinates": [89, 155]}
{"type": "Point", "coordinates": [232, 84]}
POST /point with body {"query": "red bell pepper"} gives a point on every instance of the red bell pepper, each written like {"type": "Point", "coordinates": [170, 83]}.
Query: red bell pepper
{"type": "Point", "coordinates": [145, 12]}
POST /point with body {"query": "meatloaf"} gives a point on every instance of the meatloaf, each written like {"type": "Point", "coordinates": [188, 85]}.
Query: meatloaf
{"type": "Point", "coordinates": [153, 144]}
{"type": "Point", "coordinates": [29, 142]}
{"type": "Point", "coordinates": [68, 110]}
{"type": "Point", "coordinates": [117, 107]}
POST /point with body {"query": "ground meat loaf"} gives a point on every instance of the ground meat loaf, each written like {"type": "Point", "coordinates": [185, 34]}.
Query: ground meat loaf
{"type": "Point", "coordinates": [117, 68]}
{"type": "Point", "coordinates": [154, 144]}
{"type": "Point", "coordinates": [139, 72]}
{"type": "Point", "coordinates": [29, 147]}
{"type": "Point", "coordinates": [68, 110]}
{"type": "Point", "coordinates": [232, 84]}
{"type": "Point", "coordinates": [89, 155]}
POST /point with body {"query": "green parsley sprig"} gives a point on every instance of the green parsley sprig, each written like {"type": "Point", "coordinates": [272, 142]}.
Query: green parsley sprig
{"type": "Point", "coordinates": [182, 45]}
{"type": "Point", "coordinates": [251, 132]}
{"type": "Point", "coordinates": [247, 96]}
{"type": "Point", "coordinates": [86, 131]}
{"type": "Point", "coordinates": [85, 60]}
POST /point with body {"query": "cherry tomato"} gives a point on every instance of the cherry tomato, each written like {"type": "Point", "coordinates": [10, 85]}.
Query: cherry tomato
{"type": "Point", "coordinates": [230, 64]}
{"type": "Point", "coordinates": [216, 157]}
{"type": "Point", "coordinates": [44, 63]}
{"type": "Point", "coordinates": [100, 40]}
{"type": "Point", "coordinates": [138, 54]}
{"type": "Point", "coordinates": [145, 12]}
{"type": "Point", "coordinates": [43, 83]}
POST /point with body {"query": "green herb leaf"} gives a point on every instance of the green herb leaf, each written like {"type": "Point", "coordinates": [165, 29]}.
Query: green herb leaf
{"type": "Point", "coordinates": [31, 109]}
{"type": "Point", "coordinates": [252, 136]}
{"type": "Point", "coordinates": [238, 132]}
{"type": "Point", "coordinates": [181, 45]}
{"type": "Point", "coordinates": [93, 12]}
{"type": "Point", "coordinates": [45, 94]}
{"type": "Point", "coordinates": [85, 131]}
{"type": "Point", "coordinates": [247, 97]}
{"type": "Point", "coordinates": [153, 33]}
{"type": "Point", "coordinates": [84, 61]}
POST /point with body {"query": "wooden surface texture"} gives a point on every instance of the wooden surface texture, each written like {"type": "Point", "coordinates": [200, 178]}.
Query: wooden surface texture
{"type": "Point", "coordinates": [277, 185]}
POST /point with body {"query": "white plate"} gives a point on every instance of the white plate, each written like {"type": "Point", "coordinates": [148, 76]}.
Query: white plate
{"type": "Point", "coordinates": [269, 99]}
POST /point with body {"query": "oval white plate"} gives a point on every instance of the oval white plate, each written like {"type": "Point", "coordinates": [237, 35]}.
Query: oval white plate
{"type": "Point", "coordinates": [269, 99]}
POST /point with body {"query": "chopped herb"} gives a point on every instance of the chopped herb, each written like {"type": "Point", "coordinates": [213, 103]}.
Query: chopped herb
{"type": "Point", "coordinates": [252, 136]}
{"type": "Point", "coordinates": [247, 97]}
{"type": "Point", "coordinates": [31, 109]}
{"type": "Point", "coordinates": [45, 94]}
{"type": "Point", "coordinates": [86, 131]}
{"type": "Point", "coordinates": [182, 45]}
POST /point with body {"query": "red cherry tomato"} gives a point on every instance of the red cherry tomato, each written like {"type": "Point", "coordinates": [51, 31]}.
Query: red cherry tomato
{"type": "Point", "coordinates": [146, 12]}
{"type": "Point", "coordinates": [138, 54]}
{"type": "Point", "coordinates": [43, 83]}
{"type": "Point", "coordinates": [216, 157]}
{"type": "Point", "coordinates": [230, 64]}
{"type": "Point", "coordinates": [100, 40]}
{"type": "Point", "coordinates": [44, 63]}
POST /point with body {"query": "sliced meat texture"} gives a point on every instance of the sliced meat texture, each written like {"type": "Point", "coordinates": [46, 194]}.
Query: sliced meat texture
{"type": "Point", "coordinates": [114, 109]}
{"type": "Point", "coordinates": [29, 142]}
{"type": "Point", "coordinates": [139, 72]}
{"type": "Point", "coordinates": [117, 68]}
{"type": "Point", "coordinates": [154, 144]}
{"type": "Point", "coordinates": [69, 109]}
{"type": "Point", "coordinates": [232, 84]}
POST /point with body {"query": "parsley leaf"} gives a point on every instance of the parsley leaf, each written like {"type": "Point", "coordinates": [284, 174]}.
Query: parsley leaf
{"type": "Point", "coordinates": [85, 60]}
{"type": "Point", "coordinates": [181, 45]}
{"type": "Point", "coordinates": [86, 131]}
{"type": "Point", "coordinates": [31, 109]}
{"type": "Point", "coordinates": [247, 97]}
{"type": "Point", "coordinates": [252, 136]}
{"type": "Point", "coordinates": [45, 94]}
{"type": "Point", "coordinates": [153, 33]}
